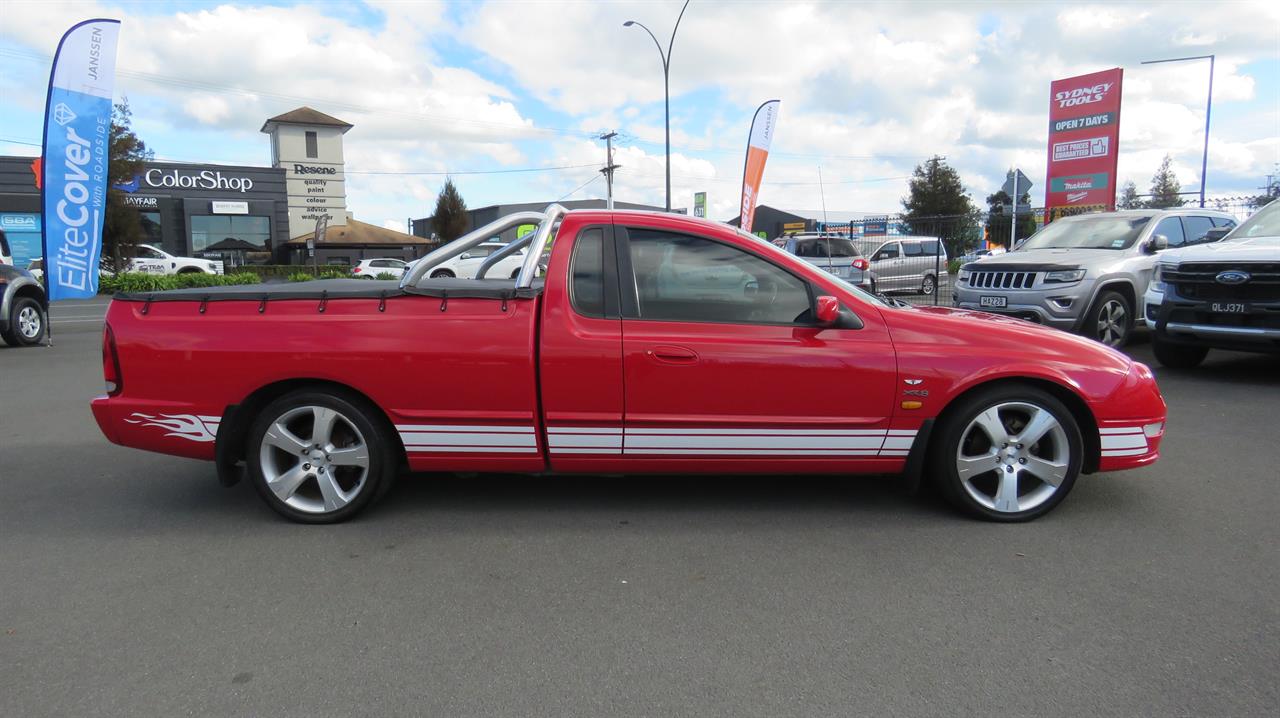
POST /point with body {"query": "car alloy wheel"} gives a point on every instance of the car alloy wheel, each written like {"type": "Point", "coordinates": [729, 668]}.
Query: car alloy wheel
{"type": "Point", "coordinates": [1013, 457]}
{"type": "Point", "coordinates": [1113, 321]}
{"type": "Point", "coordinates": [30, 323]}
{"type": "Point", "coordinates": [928, 286]}
{"type": "Point", "coordinates": [1008, 452]}
{"type": "Point", "coordinates": [321, 455]}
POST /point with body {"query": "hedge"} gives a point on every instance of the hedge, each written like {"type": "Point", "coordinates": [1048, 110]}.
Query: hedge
{"type": "Point", "coordinates": [271, 271]}
{"type": "Point", "coordinates": [142, 282]}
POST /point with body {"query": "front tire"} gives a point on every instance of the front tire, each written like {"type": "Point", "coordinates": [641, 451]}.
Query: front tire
{"type": "Point", "coordinates": [1110, 320]}
{"type": "Point", "coordinates": [442, 274]}
{"type": "Point", "coordinates": [28, 323]}
{"type": "Point", "coordinates": [1008, 453]}
{"type": "Point", "coordinates": [320, 456]}
{"type": "Point", "coordinates": [1177, 356]}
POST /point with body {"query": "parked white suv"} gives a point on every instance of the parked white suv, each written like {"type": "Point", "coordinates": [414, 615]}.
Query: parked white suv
{"type": "Point", "coordinates": [371, 268]}
{"type": "Point", "coordinates": [467, 264]}
{"type": "Point", "coordinates": [151, 260]}
{"type": "Point", "coordinates": [1085, 273]}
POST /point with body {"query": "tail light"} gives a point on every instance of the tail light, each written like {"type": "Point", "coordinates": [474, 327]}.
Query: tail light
{"type": "Point", "coordinates": [862, 264]}
{"type": "Point", "coordinates": [110, 362]}
{"type": "Point", "coordinates": [356, 270]}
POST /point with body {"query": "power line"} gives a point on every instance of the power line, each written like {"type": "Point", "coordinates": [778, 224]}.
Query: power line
{"type": "Point", "coordinates": [471, 172]}
{"type": "Point", "coordinates": [580, 187]}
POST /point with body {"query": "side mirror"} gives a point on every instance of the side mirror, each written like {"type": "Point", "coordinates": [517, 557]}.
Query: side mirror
{"type": "Point", "coordinates": [464, 255]}
{"type": "Point", "coordinates": [1158, 243]}
{"type": "Point", "coordinates": [827, 310]}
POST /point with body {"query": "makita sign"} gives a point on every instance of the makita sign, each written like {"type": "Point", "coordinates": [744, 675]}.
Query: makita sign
{"type": "Point", "coordinates": [206, 179]}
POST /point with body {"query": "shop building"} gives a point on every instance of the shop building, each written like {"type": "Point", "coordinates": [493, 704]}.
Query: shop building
{"type": "Point", "coordinates": [236, 214]}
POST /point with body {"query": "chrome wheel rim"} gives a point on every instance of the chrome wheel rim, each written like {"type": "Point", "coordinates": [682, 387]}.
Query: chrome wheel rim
{"type": "Point", "coordinates": [1013, 457]}
{"type": "Point", "coordinates": [928, 286]}
{"type": "Point", "coordinates": [1112, 323]}
{"type": "Point", "coordinates": [29, 322]}
{"type": "Point", "coordinates": [314, 459]}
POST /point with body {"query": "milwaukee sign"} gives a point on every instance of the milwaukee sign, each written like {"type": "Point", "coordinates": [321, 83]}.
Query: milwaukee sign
{"type": "Point", "coordinates": [1084, 139]}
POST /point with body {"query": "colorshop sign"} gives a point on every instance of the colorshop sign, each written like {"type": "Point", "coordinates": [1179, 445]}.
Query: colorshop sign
{"type": "Point", "coordinates": [1084, 139]}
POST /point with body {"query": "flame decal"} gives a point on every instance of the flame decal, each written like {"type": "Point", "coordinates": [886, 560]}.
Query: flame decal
{"type": "Point", "coordinates": [184, 426]}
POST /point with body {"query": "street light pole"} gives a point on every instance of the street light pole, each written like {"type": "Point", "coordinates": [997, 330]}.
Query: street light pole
{"type": "Point", "coordinates": [666, 84]}
{"type": "Point", "coordinates": [1208, 110]}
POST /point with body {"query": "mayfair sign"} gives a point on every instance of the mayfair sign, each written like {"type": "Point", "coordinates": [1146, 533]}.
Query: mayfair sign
{"type": "Point", "coordinates": [206, 179]}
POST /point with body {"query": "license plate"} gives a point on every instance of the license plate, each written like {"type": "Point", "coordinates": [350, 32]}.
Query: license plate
{"type": "Point", "coordinates": [1229, 307]}
{"type": "Point", "coordinates": [993, 301]}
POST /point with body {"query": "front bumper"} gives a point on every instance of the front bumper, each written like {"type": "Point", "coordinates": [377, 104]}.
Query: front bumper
{"type": "Point", "coordinates": [1190, 322]}
{"type": "Point", "coordinates": [1131, 422]}
{"type": "Point", "coordinates": [1057, 306]}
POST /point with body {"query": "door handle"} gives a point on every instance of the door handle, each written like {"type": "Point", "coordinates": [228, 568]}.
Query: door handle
{"type": "Point", "coordinates": [668, 354]}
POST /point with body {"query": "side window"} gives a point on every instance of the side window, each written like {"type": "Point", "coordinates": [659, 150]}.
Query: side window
{"type": "Point", "coordinates": [682, 278]}
{"type": "Point", "coordinates": [1220, 222]}
{"type": "Point", "coordinates": [888, 251]}
{"type": "Point", "coordinates": [145, 253]}
{"type": "Point", "coordinates": [930, 247]}
{"type": "Point", "coordinates": [586, 290]}
{"type": "Point", "coordinates": [1171, 227]}
{"type": "Point", "coordinates": [1196, 227]}
{"type": "Point", "coordinates": [912, 249]}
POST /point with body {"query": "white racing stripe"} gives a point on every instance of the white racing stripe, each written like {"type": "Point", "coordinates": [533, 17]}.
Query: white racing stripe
{"type": "Point", "coordinates": [729, 441]}
{"type": "Point", "coordinates": [1123, 441]}
{"type": "Point", "coordinates": [649, 441]}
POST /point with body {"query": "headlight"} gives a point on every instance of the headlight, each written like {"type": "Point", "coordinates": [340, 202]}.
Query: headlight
{"type": "Point", "coordinates": [1157, 278]}
{"type": "Point", "coordinates": [964, 275]}
{"type": "Point", "coordinates": [1064, 275]}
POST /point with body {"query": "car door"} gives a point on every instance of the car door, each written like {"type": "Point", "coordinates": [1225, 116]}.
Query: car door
{"type": "Point", "coordinates": [148, 261]}
{"type": "Point", "coordinates": [887, 265]}
{"type": "Point", "coordinates": [724, 370]}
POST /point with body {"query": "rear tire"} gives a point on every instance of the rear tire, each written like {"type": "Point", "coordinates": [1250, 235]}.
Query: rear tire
{"type": "Point", "coordinates": [929, 285]}
{"type": "Point", "coordinates": [320, 456]}
{"type": "Point", "coordinates": [1177, 356]}
{"type": "Point", "coordinates": [1008, 453]}
{"type": "Point", "coordinates": [28, 323]}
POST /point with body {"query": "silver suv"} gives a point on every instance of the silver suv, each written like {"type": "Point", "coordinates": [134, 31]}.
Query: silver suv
{"type": "Point", "coordinates": [1084, 273]}
{"type": "Point", "coordinates": [909, 264]}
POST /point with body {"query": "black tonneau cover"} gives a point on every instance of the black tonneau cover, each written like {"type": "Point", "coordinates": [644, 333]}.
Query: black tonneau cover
{"type": "Point", "coordinates": [446, 288]}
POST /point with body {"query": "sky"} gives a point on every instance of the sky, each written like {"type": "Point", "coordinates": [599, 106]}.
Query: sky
{"type": "Point", "coordinates": [484, 91]}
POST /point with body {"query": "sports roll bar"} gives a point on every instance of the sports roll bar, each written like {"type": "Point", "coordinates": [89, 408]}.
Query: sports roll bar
{"type": "Point", "coordinates": [467, 241]}
{"type": "Point", "coordinates": [551, 215]}
{"type": "Point", "coordinates": [503, 253]}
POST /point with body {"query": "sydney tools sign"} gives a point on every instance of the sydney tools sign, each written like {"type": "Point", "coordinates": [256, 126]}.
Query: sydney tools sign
{"type": "Point", "coordinates": [77, 132]}
{"type": "Point", "coordinates": [1084, 136]}
{"type": "Point", "coordinates": [761, 137]}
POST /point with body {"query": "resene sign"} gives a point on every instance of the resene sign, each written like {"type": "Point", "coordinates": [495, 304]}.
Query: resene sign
{"type": "Point", "coordinates": [1084, 139]}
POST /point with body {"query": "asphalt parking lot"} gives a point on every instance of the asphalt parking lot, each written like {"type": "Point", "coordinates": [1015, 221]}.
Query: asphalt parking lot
{"type": "Point", "coordinates": [133, 584]}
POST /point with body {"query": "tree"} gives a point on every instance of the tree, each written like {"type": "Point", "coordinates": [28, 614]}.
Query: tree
{"type": "Point", "coordinates": [450, 220]}
{"type": "Point", "coordinates": [1128, 198]}
{"type": "Point", "coordinates": [937, 205]}
{"type": "Point", "coordinates": [126, 157]}
{"type": "Point", "coordinates": [1165, 187]}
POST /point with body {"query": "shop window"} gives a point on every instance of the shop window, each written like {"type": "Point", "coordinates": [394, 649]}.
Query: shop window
{"type": "Point", "coordinates": [313, 150]}
{"type": "Point", "coordinates": [338, 261]}
{"type": "Point", "coordinates": [235, 239]}
{"type": "Point", "coordinates": [151, 230]}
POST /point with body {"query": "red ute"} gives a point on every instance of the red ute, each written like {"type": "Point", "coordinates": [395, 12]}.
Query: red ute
{"type": "Point", "coordinates": [642, 343]}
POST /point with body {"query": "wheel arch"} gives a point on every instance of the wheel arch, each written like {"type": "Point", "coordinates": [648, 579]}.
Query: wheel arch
{"type": "Point", "coordinates": [1075, 403]}
{"type": "Point", "coordinates": [1121, 285]}
{"type": "Point", "coordinates": [229, 448]}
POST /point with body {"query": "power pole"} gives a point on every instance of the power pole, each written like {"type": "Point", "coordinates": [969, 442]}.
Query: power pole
{"type": "Point", "coordinates": [609, 166]}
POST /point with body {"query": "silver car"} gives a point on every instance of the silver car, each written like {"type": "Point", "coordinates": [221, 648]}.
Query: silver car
{"type": "Point", "coordinates": [909, 264]}
{"type": "Point", "coordinates": [1084, 273]}
{"type": "Point", "coordinates": [836, 254]}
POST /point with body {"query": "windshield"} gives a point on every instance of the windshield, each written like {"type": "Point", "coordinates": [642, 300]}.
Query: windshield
{"type": "Point", "coordinates": [1098, 232]}
{"type": "Point", "coordinates": [826, 247]}
{"type": "Point", "coordinates": [1264, 223]}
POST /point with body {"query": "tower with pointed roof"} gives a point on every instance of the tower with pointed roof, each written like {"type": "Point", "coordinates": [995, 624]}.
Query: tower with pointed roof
{"type": "Point", "coordinates": [307, 144]}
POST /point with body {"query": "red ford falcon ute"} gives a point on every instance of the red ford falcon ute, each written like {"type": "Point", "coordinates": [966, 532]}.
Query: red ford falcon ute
{"type": "Point", "coordinates": [628, 343]}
